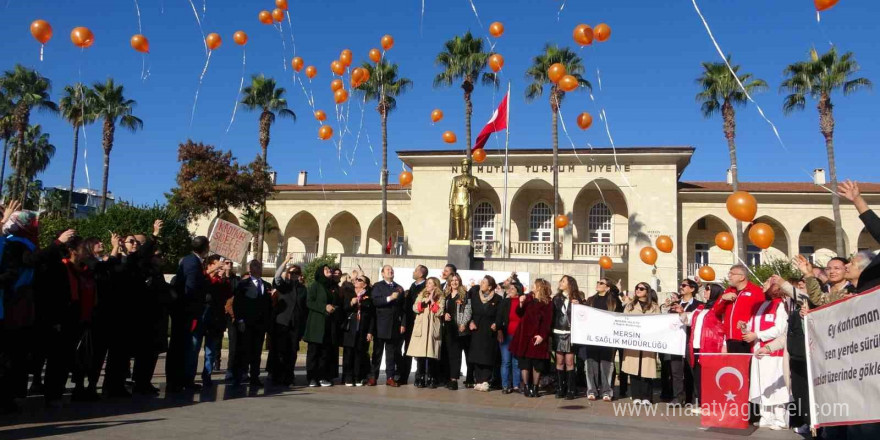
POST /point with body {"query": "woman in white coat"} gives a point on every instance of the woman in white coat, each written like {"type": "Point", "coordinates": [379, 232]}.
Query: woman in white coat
{"type": "Point", "coordinates": [424, 345]}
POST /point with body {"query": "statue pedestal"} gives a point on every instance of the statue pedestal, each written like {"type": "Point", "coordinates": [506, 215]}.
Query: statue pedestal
{"type": "Point", "coordinates": [460, 253]}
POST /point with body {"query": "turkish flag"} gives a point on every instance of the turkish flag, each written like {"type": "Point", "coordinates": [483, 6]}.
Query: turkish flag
{"type": "Point", "coordinates": [725, 390]}
{"type": "Point", "coordinates": [498, 122]}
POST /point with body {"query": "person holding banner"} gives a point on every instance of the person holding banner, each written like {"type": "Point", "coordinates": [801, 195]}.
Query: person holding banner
{"type": "Point", "coordinates": [529, 343]}
{"type": "Point", "coordinates": [767, 386]}
{"type": "Point", "coordinates": [641, 366]}
{"type": "Point", "coordinates": [565, 375]}
{"type": "Point", "coordinates": [485, 304]}
{"type": "Point", "coordinates": [600, 360]}
{"type": "Point", "coordinates": [456, 334]}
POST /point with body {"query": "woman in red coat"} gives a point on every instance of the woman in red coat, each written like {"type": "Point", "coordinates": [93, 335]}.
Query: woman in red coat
{"type": "Point", "coordinates": [529, 344]}
{"type": "Point", "coordinates": [707, 334]}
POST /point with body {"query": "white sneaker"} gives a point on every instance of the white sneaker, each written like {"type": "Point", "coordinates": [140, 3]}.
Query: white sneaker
{"type": "Point", "coordinates": [803, 429]}
{"type": "Point", "coordinates": [349, 384]}
{"type": "Point", "coordinates": [359, 384]}
{"type": "Point", "coordinates": [325, 383]}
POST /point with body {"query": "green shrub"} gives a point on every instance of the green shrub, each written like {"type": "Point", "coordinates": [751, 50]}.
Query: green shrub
{"type": "Point", "coordinates": [782, 267]}
{"type": "Point", "coordinates": [312, 267]}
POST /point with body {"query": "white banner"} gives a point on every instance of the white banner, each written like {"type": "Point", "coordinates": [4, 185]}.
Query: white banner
{"type": "Point", "coordinates": [843, 361]}
{"type": "Point", "coordinates": [663, 333]}
{"type": "Point", "coordinates": [403, 276]}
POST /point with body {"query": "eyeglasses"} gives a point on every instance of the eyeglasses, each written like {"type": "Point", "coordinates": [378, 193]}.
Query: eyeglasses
{"type": "Point", "coordinates": [132, 242]}
{"type": "Point", "coordinates": [685, 285]}
{"type": "Point", "coordinates": [641, 288]}
{"type": "Point", "coordinates": [360, 279]}
{"type": "Point", "coordinates": [730, 274]}
{"type": "Point", "coordinates": [601, 283]}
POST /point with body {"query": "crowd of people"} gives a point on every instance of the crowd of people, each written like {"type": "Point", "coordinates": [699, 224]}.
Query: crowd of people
{"type": "Point", "coordinates": [67, 311]}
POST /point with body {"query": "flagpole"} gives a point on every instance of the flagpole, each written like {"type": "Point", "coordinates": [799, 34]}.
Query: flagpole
{"type": "Point", "coordinates": [504, 226]}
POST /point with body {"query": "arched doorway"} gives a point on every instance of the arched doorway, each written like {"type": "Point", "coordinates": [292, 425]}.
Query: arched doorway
{"type": "Point", "coordinates": [531, 219]}
{"type": "Point", "coordinates": [301, 237]}
{"type": "Point", "coordinates": [777, 251]}
{"type": "Point", "coordinates": [343, 234]}
{"type": "Point", "coordinates": [701, 249]}
{"type": "Point", "coordinates": [600, 220]}
{"type": "Point", "coordinates": [817, 240]}
{"type": "Point", "coordinates": [376, 245]}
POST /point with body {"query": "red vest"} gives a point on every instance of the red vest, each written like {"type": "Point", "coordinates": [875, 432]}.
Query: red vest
{"type": "Point", "coordinates": [766, 321]}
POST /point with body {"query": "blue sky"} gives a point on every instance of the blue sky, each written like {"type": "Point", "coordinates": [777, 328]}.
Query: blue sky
{"type": "Point", "coordinates": [647, 70]}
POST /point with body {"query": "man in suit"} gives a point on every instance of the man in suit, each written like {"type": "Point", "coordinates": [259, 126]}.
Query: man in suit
{"type": "Point", "coordinates": [404, 366]}
{"type": "Point", "coordinates": [387, 297]}
{"type": "Point", "coordinates": [448, 270]}
{"type": "Point", "coordinates": [678, 367]}
{"type": "Point", "coordinates": [186, 336]}
{"type": "Point", "coordinates": [253, 314]}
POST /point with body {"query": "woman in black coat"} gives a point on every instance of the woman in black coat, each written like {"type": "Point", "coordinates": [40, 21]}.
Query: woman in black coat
{"type": "Point", "coordinates": [485, 304]}
{"type": "Point", "coordinates": [358, 326]}
{"type": "Point", "coordinates": [456, 334]}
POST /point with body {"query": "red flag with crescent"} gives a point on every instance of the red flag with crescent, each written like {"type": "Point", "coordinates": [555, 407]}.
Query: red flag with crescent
{"type": "Point", "coordinates": [725, 391]}
{"type": "Point", "coordinates": [498, 122]}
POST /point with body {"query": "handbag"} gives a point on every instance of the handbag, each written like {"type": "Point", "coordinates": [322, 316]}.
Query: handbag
{"type": "Point", "coordinates": [346, 326]}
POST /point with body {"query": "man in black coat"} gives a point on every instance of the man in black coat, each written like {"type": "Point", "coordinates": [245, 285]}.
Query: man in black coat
{"type": "Point", "coordinates": [404, 365]}
{"type": "Point", "coordinates": [253, 315]}
{"type": "Point", "coordinates": [387, 297]}
{"type": "Point", "coordinates": [291, 314]}
{"type": "Point", "coordinates": [190, 286]}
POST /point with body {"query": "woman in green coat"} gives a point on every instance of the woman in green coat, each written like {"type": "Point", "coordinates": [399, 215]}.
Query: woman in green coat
{"type": "Point", "coordinates": [318, 334]}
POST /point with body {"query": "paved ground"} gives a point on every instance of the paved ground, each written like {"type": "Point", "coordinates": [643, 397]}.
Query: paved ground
{"type": "Point", "coordinates": [339, 412]}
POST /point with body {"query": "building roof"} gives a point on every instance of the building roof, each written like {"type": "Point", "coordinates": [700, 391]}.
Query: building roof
{"type": "Point", "coordinates": [337, 187]}
{"type": "Point", "coordinates": [562, 151]}
{"type": "Point", "coordinates": [768, 187]}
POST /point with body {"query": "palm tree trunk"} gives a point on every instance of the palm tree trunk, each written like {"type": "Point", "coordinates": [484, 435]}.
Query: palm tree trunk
{"type": "Point", "coordinates": [3, 168]}
{"type": "Point", "coordinates": [554, 103]}
{"type": "Point", "coordinates": [384, 179]}
{"type": "Point", "coordinates": [109, 130]}
{"type": "Point", "coordinates": [729, 117]}
{"type": "Point", "coordinates": [73, 170]}
{"type": "Point", "coordinates": [265, 124]}
{"type": "Point", "coordinates": [826, 124]}
{"type": "Point", "coordinates": [22, 126]}
{"type": "Point", "coordinates": [468, 111]}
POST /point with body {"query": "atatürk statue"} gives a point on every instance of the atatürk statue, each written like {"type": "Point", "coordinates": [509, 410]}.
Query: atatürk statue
{"type": "Point", "coordinates": [460, 202]}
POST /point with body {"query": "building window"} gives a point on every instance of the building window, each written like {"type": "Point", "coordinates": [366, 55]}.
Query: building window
{"type": "Point", "coordinates": [540, 223]}
{"type": "Point", "coordinates": [701, 224]}
{"type": "Point", "coordinates": [599, 223]}
{"type": "Point", "coordinates": [808, 251]}
{"type": "Point", "coordinates": [484, 222]}
{"type": "Point", "coordinates": [701, 254]}
{"type": "Point", "coordinates": [753, 255]}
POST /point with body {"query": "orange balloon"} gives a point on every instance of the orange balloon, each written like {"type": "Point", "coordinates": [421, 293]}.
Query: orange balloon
{"type": "Point", "coordinates": [822, 5]}
{"type": "Point", "coordinates": [240, 38]}
{"type": "Point", "coordinates": [561, 221]}
{"type": "Point", "coordinates": [311, 71]}
{"type": "Point", "coordinates": [337, 67]}
{"type": "Point", "coordinates": [449, 137]}
{"type": "Point", "coordinates": [602, 32]}
{"type": "Point", "coordinates": [706, 273]}
{"type": "Point", "coordinates": [214, 41]}
{"type": "Point", "coordinates": [277, 14]}
{"type": "Point", "coordinates": [345, 57]}
{"type": "Point", "coordinates": [357, 77]}
{"type": "Point", "coordinates": [724, 240]}
{"type": "Point", "coordinates": [648, 255]}
{"type": "Point", "coordinates": [41, 30]}
{"type": "Point", "coordinates": [479, 155]}
{"type": "Point", "coordinates": [140, 43]}
{"type": "Point", "coordinates": [375, 55]}
{"type": "Point", "coordinates": [742, 206]}
{"type": "Point", "coordinates": [605, 263]}
{"type": "Point", "coordinates": [82, 37]}
{"type": "Point", "coordinates": [568, 83]}
{"type": "Point", "coordinates": [664, 244]}
{"type": "Point", "coordinates": [281, 4]}
{"type": "Point", "coordinates": [320, 115]}
{"type": "Point", "coordinates": [496, 29]}
{"type": "Point", "coordinates": [297, 63]}
{"type": "Point", "coordinates": [583, 35]}
{"type": "Point", "coordinates": [265, 17]}
{"type": "Point", "coordinates": [325, 132]}
{"type": "Point", "coordinates": [584, 120]}
{"type": "Point", "coordinates": [336, 84]}
{"type": "Point", "coordinates": [387, 42]}
{"type": "Point", "coordinates": [761, 235]}
{"type": "Point", "coordinates": [436, 115]}
{"type": "Point", "coordinates": [406, 178]}
{"type": "Point", "coordinates": [366, 75]}
{"type": "Point", "coordinates": [496, 62]}
{"type": "Point", "coordinates": [340, 95]}
{"type": "Point", "coordinates": [556, 72]}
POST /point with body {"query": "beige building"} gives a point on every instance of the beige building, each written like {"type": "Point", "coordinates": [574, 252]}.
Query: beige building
{"type": "Point", "coordinates": [617, 202]}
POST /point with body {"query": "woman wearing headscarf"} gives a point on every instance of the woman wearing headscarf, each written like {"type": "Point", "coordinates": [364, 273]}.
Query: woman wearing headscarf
{"type": "Point", "coordinates": [319, 334]}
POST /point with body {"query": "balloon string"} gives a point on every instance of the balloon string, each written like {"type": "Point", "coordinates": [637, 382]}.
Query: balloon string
{"type": "Point", "coordinates": [357, 138]}
{"type": "Point", "coordinates": [204, 8]}
{"type": "Point", "coordinates": [201, 77]}
{"type": "Point", "coordinates": [321, 175]}
{"type": "Point", "coordinates": [240, 87]}
{"type": "Point", "coordinates": [309, 99]}
{"type": "Point", "coordinates": [85, 138]}
{"type": "Point", "coordinates": [137, 8]}
{"type": "Point", "coordinates": [559, 13]}
{"type": "Point", "coordinates": [292, 39]}
{"type": "Point", "coordinates": [283, 46]}
{"type": "Point", "coordinates": [199, 22]}
{"type": "Point", "coordinates": [422, 18]}
{"type": "Point", "coordinates": [41, 52]}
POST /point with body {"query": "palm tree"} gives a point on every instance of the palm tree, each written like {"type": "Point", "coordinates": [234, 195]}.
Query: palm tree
{"type": "Point", "coordinates": [264, 96]}
{"type": "Point", "coordinates": [6, 132]}
{"type": "Point", "coordinates": [250, 221]}
{"type": "Point", "coordinates": [463, 59]}
{"type": "Point", "coordinates": [77, 110]}
{"type": "Point", "coordinates": [384, 87]}
{"type": "Point", "coordinates": [30, 158]}
{"type": "Point", "coordinates": [111, 105]}
{"type": "Point", "coordinates": [26, 89]}
{"type": "Point", "coordinates": [819, 78]}
{"type": "Point", "coordinates": [719, 93]}
{"type": "Point", "coordinates": [537, 73]}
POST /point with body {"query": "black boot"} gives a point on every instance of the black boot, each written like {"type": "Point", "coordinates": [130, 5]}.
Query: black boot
{"type": "Point", "coordinates": [572, 385]}
{"type": "Point", "coordinates": [420, 381]}
{"type": "Point", "coordinates": [560, 384]}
